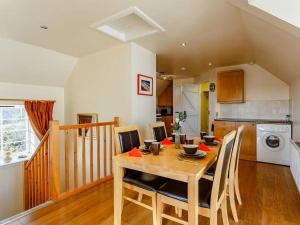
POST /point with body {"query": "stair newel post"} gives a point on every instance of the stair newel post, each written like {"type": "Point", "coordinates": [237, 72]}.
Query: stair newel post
{"type": "Point", "coordinates": [116, 121]}
{"type": "Point", "coordinates": [54, 160]}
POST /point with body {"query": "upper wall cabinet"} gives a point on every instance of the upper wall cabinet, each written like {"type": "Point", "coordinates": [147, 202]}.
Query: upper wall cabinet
{"type": "Point", "coordinates": [166, 98]}
{"type": "Point", "coordinates": [230, 86]}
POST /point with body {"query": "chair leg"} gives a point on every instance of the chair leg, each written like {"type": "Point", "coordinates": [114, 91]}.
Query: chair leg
{"type": "Point", "coordinates": [224, 211]}
{"type": "Point", "coordinates": [159, 210]}
{"type": "Point", "coordinates": [237, 189]}
{"type": "Point", "coordinates": [232, 201]}
{"type": "Point", "coordinates": [154, 209]}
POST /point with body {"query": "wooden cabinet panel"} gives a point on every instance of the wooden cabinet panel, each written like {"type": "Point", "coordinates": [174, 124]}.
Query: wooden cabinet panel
{"type": "Point", "coordinates": [168, 120]}
{"type": "Point", "coordinates": [221, 128]}
{"type": "Point", "coordinates": [230, 86]}
{"type": "Point", "coordinates": [248, 147]}
{"type": "Point", "coordinates": [166, 98]}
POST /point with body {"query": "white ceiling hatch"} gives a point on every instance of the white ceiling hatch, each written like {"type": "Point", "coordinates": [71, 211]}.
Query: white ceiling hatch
{"type": "Point", "coordinates": [129, 24]}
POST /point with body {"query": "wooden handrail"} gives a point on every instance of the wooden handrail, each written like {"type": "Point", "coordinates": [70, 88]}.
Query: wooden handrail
{"type": "Point", "coordinates": [85, 125]}
{"type": "Point", "coordinates": [38, 147]}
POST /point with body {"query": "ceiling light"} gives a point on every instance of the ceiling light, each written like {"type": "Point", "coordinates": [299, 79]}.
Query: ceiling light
{"type": "Point", "coordinates": [209, 64]}
{"type": "Point", "coordinates": [164, 77]}
{"type": "Point", "coordinates": [183, 68]}
{"type": "Point", "coordinates": [44, 27]}
{"type": "Point", "coordinates": [183, 44]}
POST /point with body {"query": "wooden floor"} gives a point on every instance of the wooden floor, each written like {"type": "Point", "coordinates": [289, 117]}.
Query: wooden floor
{"type": "Point", "coordinates": [268, 192]}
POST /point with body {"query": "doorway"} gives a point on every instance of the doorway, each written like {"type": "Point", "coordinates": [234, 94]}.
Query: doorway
{"type": "Point", "coordinates": [204, 106]}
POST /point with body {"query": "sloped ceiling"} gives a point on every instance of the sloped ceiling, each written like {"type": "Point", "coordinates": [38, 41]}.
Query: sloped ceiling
{"type": "Point", "coordinates": [275, 44]}
{"type": "Point", "coordinates": [28, 64]}
{"type": "Point", "coordinates": [224, 32]}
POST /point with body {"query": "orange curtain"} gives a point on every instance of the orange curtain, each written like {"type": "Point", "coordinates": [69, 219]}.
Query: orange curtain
{"type": "Point", "coordinates": [39, 114]}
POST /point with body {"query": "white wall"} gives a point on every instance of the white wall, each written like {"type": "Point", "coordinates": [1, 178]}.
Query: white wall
{"type": "Point", "coordinates": [106, 83]}
{"type": "Point", "coordinates": [11, 191]}
{"type": "Point", "coordinates": [101, 83]}
{"type": "Point", "coordinates": [266, 97]}
{"type": "Point", "coordinates": [22, 91]}
{"type": "Point", "coordinates": [143, 62]}
{"type": "Point", "coordinates": [260, 84]}
{"type": "Point", "coordinates": [29, 64]}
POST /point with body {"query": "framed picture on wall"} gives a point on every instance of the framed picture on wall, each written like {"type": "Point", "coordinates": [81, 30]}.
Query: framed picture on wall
{"type": "Point", "coordinates": [144, 85]}
{"type": "Point", "coordinates": [86, 118]}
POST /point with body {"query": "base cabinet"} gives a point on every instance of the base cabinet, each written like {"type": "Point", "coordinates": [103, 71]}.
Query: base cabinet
{"type": "Point", "coordinates": [295, 164]}
{"type": "Point", "coordinates": [248, 145]}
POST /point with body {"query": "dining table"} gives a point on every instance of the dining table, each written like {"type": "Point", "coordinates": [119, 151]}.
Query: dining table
{"type": "Point", "coordinates": [167, 164]}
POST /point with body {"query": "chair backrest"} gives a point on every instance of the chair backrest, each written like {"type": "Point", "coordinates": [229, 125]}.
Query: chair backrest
{"type": "Point", "coordinates": [126, 138]}
{"type": "Point", "coordinates": [236, 152]}
{"type": "Point", "coordinates": [158, 131]}
{"type": "Point", "coordinates": [221, 173]}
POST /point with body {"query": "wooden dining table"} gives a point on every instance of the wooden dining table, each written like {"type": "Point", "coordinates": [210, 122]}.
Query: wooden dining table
{"type": "Point", "coordinates": [166, 164]}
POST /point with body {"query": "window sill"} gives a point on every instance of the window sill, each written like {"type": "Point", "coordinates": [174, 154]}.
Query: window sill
{"type": "Point", "coordinates": [15, 160]}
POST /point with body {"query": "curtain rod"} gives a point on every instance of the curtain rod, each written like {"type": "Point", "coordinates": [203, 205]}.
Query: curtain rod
{"type": "Point", "coordinates": [23, 100]}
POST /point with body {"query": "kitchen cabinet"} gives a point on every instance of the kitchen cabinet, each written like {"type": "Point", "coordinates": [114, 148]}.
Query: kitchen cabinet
{"type": "Point", "coordinates": [248, 145]}
{"type": "Point", "coordinates": [230, 86]}
{"type": "Point", "coordinates": [168, 120]}
{"type": "Point", "coordinates": [295, 164]}
{"type": "Point", "coordinates": [166, 98]}
{"type": "Point", "coordinates": [221, 128]}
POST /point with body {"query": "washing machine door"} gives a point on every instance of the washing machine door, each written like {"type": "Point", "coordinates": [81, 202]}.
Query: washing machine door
{"type": "Point", "coordinates": [273, 142]}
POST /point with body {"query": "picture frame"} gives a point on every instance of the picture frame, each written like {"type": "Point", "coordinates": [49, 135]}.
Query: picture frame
{"type": "Point", "coordinates": [144, 85]}
{"type": "Point", "coordinates": [83, 118]}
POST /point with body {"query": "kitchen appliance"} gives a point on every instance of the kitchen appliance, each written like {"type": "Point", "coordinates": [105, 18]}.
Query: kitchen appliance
{"type": "Point", "coordinates": [273, 143]}
{"type": "Point", "coordinates": [166, 110]}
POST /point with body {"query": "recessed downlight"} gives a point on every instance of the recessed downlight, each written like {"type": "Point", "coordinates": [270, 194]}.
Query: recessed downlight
{"type": "Point", "coordinates": [210, 64]}
{"type": "Point", "coordinates": [183, 68]}
{"type": "Point", "coordinates": [43, 27]}
{"type": "Point", "coordinates": [183, 44]}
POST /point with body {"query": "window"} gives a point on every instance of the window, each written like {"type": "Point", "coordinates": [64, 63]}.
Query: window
{"type": "Point", "coordinates": [16, 133]}
{"type": "Point", "coordinates": [287, 10]}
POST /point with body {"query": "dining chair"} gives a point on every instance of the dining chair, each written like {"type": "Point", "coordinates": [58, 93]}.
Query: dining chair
{"type": "Point", "coordinates": [233, 182]}
{"type": "Point", "coordinates": [212, 194]}
{"type": "Point", "coordinates": [126, 138]}
{"type": "Point", "coordinates": [158, 131]}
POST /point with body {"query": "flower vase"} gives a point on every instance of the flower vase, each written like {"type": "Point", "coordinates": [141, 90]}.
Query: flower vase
{"type": "Point", "coordinates": [177, 139]}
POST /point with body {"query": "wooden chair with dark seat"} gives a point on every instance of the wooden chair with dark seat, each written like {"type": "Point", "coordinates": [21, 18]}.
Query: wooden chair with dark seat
{"type": "Point", "coordinates": [212, 194]}
{"type": "Point", "coordinates": [158, 131]}
{"type": "Point", "coordinates": [126, 138]}
{"type": "Point", "coordinates": [233, 183]}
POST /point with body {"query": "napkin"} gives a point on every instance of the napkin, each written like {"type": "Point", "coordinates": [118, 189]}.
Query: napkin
{"type": "Point", "coordinates": [135, 153]}
{"type": "Point", "coordinates": [203, 147]}
{"type": "Point", "coordinates": [166, 141]}
{"type": "Point", "coordinates": [218, 139]}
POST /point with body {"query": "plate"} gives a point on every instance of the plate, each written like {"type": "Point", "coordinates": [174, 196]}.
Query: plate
{"type": "Point", "coordinates": [144, 149]}
{"type": "Point", "coordinates": [214, 143]}
{"type": "Point", "coordinates": [198, 154]}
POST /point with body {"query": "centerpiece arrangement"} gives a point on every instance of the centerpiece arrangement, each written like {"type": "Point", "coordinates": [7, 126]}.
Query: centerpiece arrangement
{"type": "Point", "coordinates": [177, 124]}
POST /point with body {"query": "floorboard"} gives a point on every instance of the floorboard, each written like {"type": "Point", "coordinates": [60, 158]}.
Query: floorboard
{"type": "Point", "coordinates": [268, 193]}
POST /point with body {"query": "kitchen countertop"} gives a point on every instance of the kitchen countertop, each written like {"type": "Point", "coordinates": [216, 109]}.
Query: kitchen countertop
{"type": "Point", "coordinates": [253, 120]}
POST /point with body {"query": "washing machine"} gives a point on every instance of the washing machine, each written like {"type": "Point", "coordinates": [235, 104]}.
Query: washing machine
{"type": "Point", "coordinates": [273, 143]}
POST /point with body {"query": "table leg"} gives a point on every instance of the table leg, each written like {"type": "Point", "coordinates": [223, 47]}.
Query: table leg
{"type": "Point", "coordinates": [193, 201]}
{"type": "Point", "coordinates": [117, 193]}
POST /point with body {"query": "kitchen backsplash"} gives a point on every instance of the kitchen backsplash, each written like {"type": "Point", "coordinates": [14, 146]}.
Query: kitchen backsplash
{"type": "Point", "coordinates": [277, 109]}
